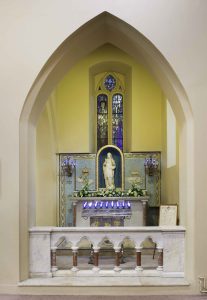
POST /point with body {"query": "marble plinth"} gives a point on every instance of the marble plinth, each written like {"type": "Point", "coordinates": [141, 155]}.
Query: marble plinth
{"type": "Point", "coordinates": [127, 280]}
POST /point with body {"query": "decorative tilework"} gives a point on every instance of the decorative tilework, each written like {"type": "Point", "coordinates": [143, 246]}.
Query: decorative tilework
{"type": "Point", "coordinates": [134, 172]}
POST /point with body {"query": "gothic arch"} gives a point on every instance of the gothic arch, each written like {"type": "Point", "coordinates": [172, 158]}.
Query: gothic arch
{"type": "Point", "coordinates": [107, 29]}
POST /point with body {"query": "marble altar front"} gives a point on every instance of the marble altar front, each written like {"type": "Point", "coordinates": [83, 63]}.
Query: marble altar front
{"type": "Point", "coordinates": [132, 210]}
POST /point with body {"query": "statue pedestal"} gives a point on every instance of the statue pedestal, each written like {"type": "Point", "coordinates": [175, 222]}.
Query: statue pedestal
{"type": "Point", "coordinates": [136, 215]}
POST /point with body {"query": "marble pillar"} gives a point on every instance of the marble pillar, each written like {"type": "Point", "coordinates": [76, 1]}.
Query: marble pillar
{"type": "Point", "coordinates": [75, 259]}
{"type": "Point", "coordinates": [139, 259]}
{"type": "Point", "coordinates": [117, 267]}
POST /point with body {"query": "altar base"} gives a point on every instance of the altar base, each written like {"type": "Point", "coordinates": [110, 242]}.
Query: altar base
{"type": "Point", "coordinates": [169, 244]}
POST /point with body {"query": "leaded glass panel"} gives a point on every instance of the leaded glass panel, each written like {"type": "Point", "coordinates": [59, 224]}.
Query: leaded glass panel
{"type": "Point", "coordinates": [117, 104]}
{"type": "Point", "coordinates": [110, 83]}
{"type": "Point", "coordinates": [117, 130]}
{"type": "Point", "coordinates": [102, 120]}
{"type": "Point", "coordinates": [110, 111]}
{"type": "Point", "coordinates": [102, 104]}
{"type": "Point", "coordinates": [102, 126]}
{"type": "Point", "coordinates": [117, 120]}
{"type": "Point", "coordinates": [118, 143]}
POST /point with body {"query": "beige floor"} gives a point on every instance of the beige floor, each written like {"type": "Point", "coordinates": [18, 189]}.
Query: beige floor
{"type": "Point", "coordinates": [70, 297]}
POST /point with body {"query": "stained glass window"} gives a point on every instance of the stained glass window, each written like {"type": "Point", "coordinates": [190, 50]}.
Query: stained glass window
{"type": "Point", "coordinates": [117, 104]}
{"type": "Point", "coordinates": [102, 120]}
{"type": "Point", "coordinates": [117, 120]}
{"type": "Point", "coordinates": [110, 83]}
{"type": "Point", "coordinates": [110, 95]}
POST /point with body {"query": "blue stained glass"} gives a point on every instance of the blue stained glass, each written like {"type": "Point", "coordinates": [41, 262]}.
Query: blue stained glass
{"type": "Point", "coordinates": [117, 115]}
{"type": "Point", "coordinates": [117, 127]}
{"type": "Point", "coordinates": [102, 126]}
{"type": "Point", "coordinates": [117, 130]}
{"type": "Point", "coordinates": [102, 104]}
{"type": "Point", "coordinates": [117, 120]}
{"type": "Point", "coordinates": [110, 83]}
{"type": "Point", "coordinates": [117, 104]}
{"type": "Point", "coordinates": [102, 120]}
{"type": "Point", "coordinates": [118, 143]}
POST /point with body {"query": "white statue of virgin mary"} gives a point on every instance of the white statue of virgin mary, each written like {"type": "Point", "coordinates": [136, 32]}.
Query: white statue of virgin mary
{"type": "Point", "coordinates": [108, 170]}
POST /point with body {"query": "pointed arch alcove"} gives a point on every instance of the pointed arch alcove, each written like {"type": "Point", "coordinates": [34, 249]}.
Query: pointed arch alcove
{"type": "Point", "coordinates": [106, 28]}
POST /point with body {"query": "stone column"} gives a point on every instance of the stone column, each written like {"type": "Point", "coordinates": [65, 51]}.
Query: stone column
{"type": "Point", "coordinates": [122, 261]}
{"type": "Point", "coordinates": [160, 259]}
{"type": "Point", "coordinates": [53, 259]}
{"type": "Point", "coordinates": [96, 259]}
{"type": "Point", "coordinates": [74, 213]}
{"type": "Point", "coordinates": [117, 267]}
{"type": "Point", "coordinates": [139, 259]}
{"type": "Point", "coordinates": [75, 259]}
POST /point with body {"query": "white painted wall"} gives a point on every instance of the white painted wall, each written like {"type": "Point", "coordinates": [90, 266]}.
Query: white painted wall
{"type": "Point", "coordinates": [30, 31]}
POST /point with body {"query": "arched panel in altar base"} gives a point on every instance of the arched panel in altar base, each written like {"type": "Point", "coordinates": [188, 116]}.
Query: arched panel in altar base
{"type": "Point", "coordinates": [115, 243]}
{"type": "Point", "coordinates": [128, 242]}
{"type": "Point", "coordinates": [149, 242]}
{"type": "Point", "coordinates": [107, 239]}
{"type": "Point", "coordinates": [128, 39]}
{"type": "Point", "coordinates": [82, 241]}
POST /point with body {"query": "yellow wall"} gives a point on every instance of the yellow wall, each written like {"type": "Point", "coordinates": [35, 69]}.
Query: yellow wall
{"type": "Point", "coordinates": [169, 175]}
{"type": "Point", "coordinates": [147, 105]}
{"type": "Point", "coordinates": [73, 115]}
{"type": "Point", "coordinates": [72, 98]}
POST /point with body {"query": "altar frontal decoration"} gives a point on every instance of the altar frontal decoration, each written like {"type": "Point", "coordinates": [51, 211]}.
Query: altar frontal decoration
{"type": "Point", "coordinates": [106, 208]}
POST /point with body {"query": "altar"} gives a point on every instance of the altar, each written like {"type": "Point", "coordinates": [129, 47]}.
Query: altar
{"type": "Point", "coordinates": [104, 181]}
{"type": "Point", "coordinates": [109, 211]}
{"type": "Point", "coordinates": [104, 202]}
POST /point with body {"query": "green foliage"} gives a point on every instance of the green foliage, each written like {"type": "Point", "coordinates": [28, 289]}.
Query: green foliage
{"type": "Point", "coordinates": [110, 193]}
{"type": "Point", "coordinates": [134, 191]}
{"type": "Point", "coordinates": [84, 192]}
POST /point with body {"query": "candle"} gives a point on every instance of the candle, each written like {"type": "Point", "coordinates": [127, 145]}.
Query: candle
{"type": "Point", "coordinates": [84, 204]}
{"type": "Point", "coordinates": [117, 204]}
